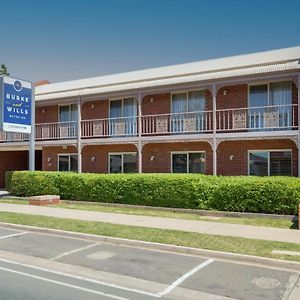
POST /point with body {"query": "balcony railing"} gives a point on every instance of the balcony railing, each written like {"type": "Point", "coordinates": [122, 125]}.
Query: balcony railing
{"type": "Point", "coordinates": [177, 123]}
{"type": "Point", "coordinates": [263, 118]}
{"type": "Point", "coordinates": [267, 118]}
{"type": "Point", "coordinates": [56, 131]}
{"type": "Point", "coordinates": [113, 127]}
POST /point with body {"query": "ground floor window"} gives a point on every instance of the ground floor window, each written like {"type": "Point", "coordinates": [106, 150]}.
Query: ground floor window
{"type": "Point", "coordinates": [270, 163]}
{"type": "Point", "coordinates": [188, 162]}
{"type": "Point", "coordinates": [122, 163]}
{"type": "Point", "coordinates": [68, 162]}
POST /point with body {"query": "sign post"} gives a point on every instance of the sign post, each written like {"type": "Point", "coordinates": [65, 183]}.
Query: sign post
{"type": "Point", "coordinates": [17, 110]}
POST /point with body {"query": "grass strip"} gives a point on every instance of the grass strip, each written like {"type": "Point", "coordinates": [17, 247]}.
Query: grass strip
{"type": "Point", "coordinates": [174, 237]}
{"type": "Point", "coordinates": [277, 223]}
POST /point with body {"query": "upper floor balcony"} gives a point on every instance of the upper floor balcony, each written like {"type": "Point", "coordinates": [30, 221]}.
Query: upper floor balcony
{"type": "Point", "coordinates": [254, 119]}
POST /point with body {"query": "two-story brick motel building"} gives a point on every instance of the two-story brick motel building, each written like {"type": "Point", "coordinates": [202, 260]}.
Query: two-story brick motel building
{"type": "Point", "coordinates": [228, 116]}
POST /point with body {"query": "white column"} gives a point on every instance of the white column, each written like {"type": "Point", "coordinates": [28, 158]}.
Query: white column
{"type": "Point", "coordinates": [32, 134]}
{"type": "Point", "coordinates": [214, 144]}
{"type": "Point", "coordinates": [79, 159]}
{"type": "Point", "coordinates": [140, 167]}
{"type": "Point", "coordinates": [298, 88]}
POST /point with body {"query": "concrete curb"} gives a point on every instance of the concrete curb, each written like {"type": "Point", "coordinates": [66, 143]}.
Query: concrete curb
{"type": "Point", "coordinates": [232, 257]}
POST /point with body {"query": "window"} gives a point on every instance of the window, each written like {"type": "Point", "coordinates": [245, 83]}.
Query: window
{"type": "Point", "coordinates": [187, 112]}
{"type": "Point", "coordinates": [272, 100]}
{"type": "Point", "coordinates": [270, 163]}
{"type": "Point", "coordinates": [67, 163]}
{"type": "Point", "coordinates": [68, 117]}
{"type": "Point", "coordinates": [123, 117]}
{"type": "Point", "coordinates": [122, 163]}
{"type": "Point", "coordinates": [188, 162]}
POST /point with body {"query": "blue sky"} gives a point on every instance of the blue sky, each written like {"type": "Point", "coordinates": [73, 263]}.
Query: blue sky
{"type": "Point", "coordinates": [71, 39]}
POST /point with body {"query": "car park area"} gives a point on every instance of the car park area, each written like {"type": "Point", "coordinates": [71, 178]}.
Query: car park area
{"type": "Point", "coordinates": [58, 266]}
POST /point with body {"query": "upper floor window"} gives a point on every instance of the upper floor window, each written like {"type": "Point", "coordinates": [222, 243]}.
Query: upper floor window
{"type": "Point", "coordinates": [68, 113]}
{"type": "Point", "coordinates": [122, 115]}
{"type": "Point", "coordinates": [270, 105]}
{"type": "Point", "coordinates": [68, 116]}
{"type": "Point", "coordinates": [188, 102]}
{"type": "Point", "coordinates": [188, 112]}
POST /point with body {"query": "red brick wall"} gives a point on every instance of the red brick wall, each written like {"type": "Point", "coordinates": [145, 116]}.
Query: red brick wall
{"type": "Point", "coordinates": [50, 114]}
{"type": "Point", "coordinates": [52, 154]}
{"type": "Point", "coordinates": [236, 97]}
{"type": "Point", "coordinates": [156, 104]}
{"type": "Point", "coordinates": [162, 155]}
{"type": "Point", "coordinates": [12, 160]}
{"type": "Point", "coordinates": [239, 150]}
{"type": "Point", "coordinates": [100, 152]}
{"type": "Point", "coordinates": [95, 110]}
{"type": "Point", "coordinates": [100, 165]}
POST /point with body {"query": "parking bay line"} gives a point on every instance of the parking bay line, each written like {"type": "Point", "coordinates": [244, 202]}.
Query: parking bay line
{"type": "Point", "coordinates": [12, 235]}
{"type": "Point", "coordinates": [73, 251]}
{"type": "Point", "coordinates": [64, 284]}
{"type": "Point", "coordinates": [81, 278]}
{"type": "Point", "coordinates": [185, 276]}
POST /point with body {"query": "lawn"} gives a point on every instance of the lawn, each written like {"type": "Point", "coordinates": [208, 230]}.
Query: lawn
{"type": "Point", "coordinates": [174, 237]}
{"type": "Point", "coordinates": [266, 222]}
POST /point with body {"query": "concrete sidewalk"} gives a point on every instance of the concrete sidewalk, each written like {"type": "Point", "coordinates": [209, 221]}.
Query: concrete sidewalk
{"type": "Point", "coordinates": [246, 231]}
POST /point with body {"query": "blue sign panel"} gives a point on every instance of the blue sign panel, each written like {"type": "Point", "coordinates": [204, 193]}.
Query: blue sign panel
{"type": "Point", "coordinates": [16, 106]}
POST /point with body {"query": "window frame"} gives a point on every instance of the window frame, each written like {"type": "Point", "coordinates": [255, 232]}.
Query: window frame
{"type": "Point", "coordinates": [267, 83]}
{"type": "Point", "coordinates": [70, 112]}
{"type": "Point", "coordinates": [188, 165]}
{"type": "Point", "coordinates": [69, 161]}
{"type": "Point", "coordinates": [122, 166]}
{"type": "Point", "coordinates": [269, 151]}
{"type": "Point", "coordinates": [187, 99]}
{"type": "Point", "coordinates": [122, 109]}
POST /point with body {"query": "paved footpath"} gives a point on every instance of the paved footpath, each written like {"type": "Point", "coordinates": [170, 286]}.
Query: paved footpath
{"type": "Point", "coordinates": [246, 231]}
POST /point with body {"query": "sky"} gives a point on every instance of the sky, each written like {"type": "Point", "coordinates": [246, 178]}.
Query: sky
{"type": "Point", "coordinates": [61, 40]}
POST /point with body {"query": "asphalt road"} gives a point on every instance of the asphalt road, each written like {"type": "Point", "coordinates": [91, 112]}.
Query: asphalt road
{"type": "Point", "coordinates": [35, 266]}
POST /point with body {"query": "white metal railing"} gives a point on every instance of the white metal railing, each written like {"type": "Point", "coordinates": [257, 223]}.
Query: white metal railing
{"type": "Point", "coordinates": [177, 123]}
{"type": "Point", "coordinates": [56, 131]}
{"type": "Point", "coordinates": [263, 118]}
{"type": "Point", "coordinates": [113, 127]}
{"type": "Point", "coordinates": [13, 137]}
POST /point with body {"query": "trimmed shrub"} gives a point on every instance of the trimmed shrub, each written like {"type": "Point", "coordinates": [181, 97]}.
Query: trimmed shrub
{"type": "Point", "coordinates": [236, 193]}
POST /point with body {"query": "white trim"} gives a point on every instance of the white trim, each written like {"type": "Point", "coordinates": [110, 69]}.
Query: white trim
{"type": "Point", "coordinates": [187, 153]}
{"type": "Point", "coordinates": [69, 162]}
{"type": "Point", "coordinates": [122, 159]}
{"type": "Point", "coordinates": [268, 151]}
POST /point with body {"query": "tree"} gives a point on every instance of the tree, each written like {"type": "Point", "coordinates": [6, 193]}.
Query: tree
{"type": "Point", "coordinates": [3, 70]}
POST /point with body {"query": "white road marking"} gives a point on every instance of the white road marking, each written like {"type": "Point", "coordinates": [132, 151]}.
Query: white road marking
{"type": "Point", "coordinates": [81, 278]}
{"type": "Point", "coordinates": [74, 251]}
{"type": "Point", "coordinates": [11, 235]}
{"type": "Point", "coordinates": [290, 286]}
{"type": "Point", "coordinates": [184, 277]}
{"type": "Point", "coordinates": [64, 284]}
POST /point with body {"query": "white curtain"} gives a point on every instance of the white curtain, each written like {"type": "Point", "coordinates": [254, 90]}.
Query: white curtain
{"type": "Point", "coordinates": [281, 93]}
{"type": "Point", "coordinates": [196, 101]}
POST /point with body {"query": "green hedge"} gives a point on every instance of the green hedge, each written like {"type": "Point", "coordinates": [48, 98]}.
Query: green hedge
{"type": "Point", "coordinates": [239, 193]}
